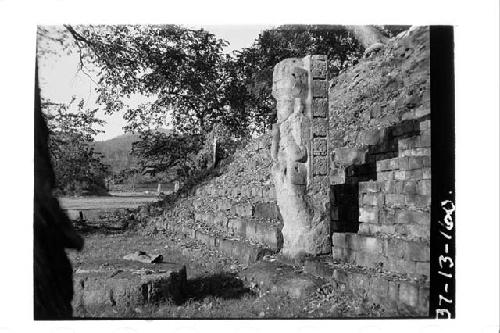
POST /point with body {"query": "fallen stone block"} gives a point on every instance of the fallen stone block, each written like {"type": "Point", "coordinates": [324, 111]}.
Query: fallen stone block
{"type": "Point", "coordinates": [142, 256]}
{"type": "Point", "coordinates": [125, 284]}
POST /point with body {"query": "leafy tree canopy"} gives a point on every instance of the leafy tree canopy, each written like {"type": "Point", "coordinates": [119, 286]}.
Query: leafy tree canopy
{"type": "Point", "coordinates": [77, 167]}
{"type": "Point", "coordinates": [184, 74]}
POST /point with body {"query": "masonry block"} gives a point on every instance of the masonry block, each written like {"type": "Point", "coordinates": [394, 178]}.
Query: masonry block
{"type": "Point", "coordinates": [416, 152]}
{"type": "Point", "coordinates": [409, 187]}
{"type": "Point", "coordinates": [423, 298]}
{"type": "Point", "coordinates": [339, 240]}
{"type": "Point", "coordinates": [414, 230]}
{"type": "Point", "coordinates": [408, 294]}
{"type": "Point", "coordinates": [319, 146]}
{"type": "Point", "coordinates": [409, 143]}
{"type": "Point", "coordinates": [320, 165]}
{"type": "Point", "coordinates": [425, 125]}
{"type": "Point", "coordinates": [401, 266]}
{"type": "Point", "coordinates": [393, 290]}
{"type": "Point", "coordinates": [422, 112]}
{"type": "Point", "coordinates": [423, 268]}
{"type": "Point", "coordinates": [387, 216]}
{"type": "Point", "coordinates": [364, 229]}
{"type": "Point", "coordinates": [418, 201]}
{"type": "Point", "coordinates": [368, 214]}
{"type": "Point", "coordinates": [387, 229]}
{"type": "Point", "coordinates": [423, 187]}
{"type": "Point", "coordinates": [318, 68]}
{"type": "Point", "coordinates": [394, 200]}
{"type": "Point", "coordinates": [372, 245]}
{"type": "Point", "coordinates": [379, 288]}
{"type": "Point", "coordinates": [244, 209]}
{"type": "Point", "coordinates": [369, 187]}
{"type": "Point", "coordinates": [385, 175]}
{"type": "Point", "coordinates": [410, 216]}
{"type": "Point", "coordinates": [416, 162]}
{"type": "Point", "coordinates": [396, 249]}
{"type": "Point", "coordinates": [389, 164]}
{"type": "Point", "coordinates": [370, 137]}
{"type": "Point", "coordinates": [337, 175]}
{"type": "Point", "coordinates": [319, 127]}
{"type": "Point", "coordinates": [408, 174]}
{"type": "Point", "coordinates": [319, 107]}
{"type": "Point", "coordinates": [417, 251]}
{"type": "Point", "coordinates": [266, 210]}
{"type": "Point", "coordinates": [319, 88]}
{"type": "Point", "coordinates": [339, 253]}
{"type": "Point", "coordinates": [392, 186]}
{"type": "Point", "coordinates": [426, 173]}
{"type": "Point", "coordinates": [370, 259]}
{"type": "Point", "coordinates": [403, 163]}
{"type": "Point", "coordinates": [349, 156]}
{"type": "Point", "coordinates": [373, 199]}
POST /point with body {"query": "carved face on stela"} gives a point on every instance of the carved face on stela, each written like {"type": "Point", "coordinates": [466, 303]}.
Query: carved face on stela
{"type": "Point", "coordinates": [290, 82]}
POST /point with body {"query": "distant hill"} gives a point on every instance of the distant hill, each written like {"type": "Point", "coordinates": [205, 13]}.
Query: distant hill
{"type": "Point", "coordinates": [116, 152]}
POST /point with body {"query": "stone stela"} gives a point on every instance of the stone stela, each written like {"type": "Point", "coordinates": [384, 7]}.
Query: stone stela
{"type": "Point", "coordinates": [300, 154]}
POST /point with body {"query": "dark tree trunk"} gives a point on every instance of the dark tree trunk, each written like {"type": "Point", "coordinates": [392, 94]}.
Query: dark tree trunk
{"type": "Point", "coordinates": [53, 233]}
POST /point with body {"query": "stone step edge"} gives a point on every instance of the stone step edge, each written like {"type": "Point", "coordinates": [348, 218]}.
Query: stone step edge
{"type": "Point", "coordinates": [266, 234]}
{"type": "Point", "coordinates": [394, 291]}
{"type": "Point", "coordinates": [240, 249]}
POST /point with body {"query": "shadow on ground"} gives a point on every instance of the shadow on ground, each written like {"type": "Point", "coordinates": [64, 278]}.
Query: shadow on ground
{"type": "Point", "coordinates": [220, 285]}
{"type": "Point", "coordinates": [102, 227]}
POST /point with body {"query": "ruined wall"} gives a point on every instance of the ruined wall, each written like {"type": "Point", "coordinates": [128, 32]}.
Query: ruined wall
{"type": "Point", "coordinates": [380, 158]}
{"type": "Point", "coordinates": [234, 211]}
{"type": "Point", "coordinates": [381, 90]}
{"type": "Point", "coordinates": [377, 154]}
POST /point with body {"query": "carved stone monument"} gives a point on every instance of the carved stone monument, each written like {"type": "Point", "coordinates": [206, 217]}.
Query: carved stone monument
{"type": "Point", "coordinates": [299, 153]}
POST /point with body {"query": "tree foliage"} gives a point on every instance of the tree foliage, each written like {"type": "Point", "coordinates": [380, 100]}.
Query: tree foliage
{"type": "Point", "coordinates": [178, 71]}
{"type": "Point", "coordinates": [183, 78]}
{"type": "Point", "coordinates": [78, 168]}
{"type": "Point", "coordinates": [255, 64]}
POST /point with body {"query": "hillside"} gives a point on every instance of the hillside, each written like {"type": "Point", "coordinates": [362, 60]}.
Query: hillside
{"type": "Point", "coordinates": [116, 152]}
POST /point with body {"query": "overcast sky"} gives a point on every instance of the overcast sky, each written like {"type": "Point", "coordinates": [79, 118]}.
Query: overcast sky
{"type": "Point", "coordinates": [60, 80]}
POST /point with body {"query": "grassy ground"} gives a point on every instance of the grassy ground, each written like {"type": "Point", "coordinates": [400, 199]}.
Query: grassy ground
{"type": "Point", "coordinates": [213, 289]}
{"type": "Point", "coordinates": [104, 203]}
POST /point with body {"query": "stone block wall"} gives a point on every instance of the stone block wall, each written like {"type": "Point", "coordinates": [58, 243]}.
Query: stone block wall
{"type": "Point", "coordinates": [241, 202]}
{"type": "Point", "coordinates": [380, 168]}
{"type": "Point", "coordinates": [391, 229]}
{"type": "Point", "coordinates": [370, 149]}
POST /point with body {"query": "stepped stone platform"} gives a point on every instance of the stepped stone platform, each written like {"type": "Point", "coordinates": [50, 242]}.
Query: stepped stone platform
{"type": "Point", "coordinates": [125, 283]}
{"type": "Point", "coordinates": [400, 294]}
{"type": "Point", "coordinates": [245, 251]}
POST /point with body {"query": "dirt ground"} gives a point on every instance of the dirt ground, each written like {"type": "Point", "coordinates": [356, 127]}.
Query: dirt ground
{"type": "Point", "coordinates": [214, 289]}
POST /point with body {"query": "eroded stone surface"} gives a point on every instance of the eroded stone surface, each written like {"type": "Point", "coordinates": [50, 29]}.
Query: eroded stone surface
{"type": "Point", "coordinates": [306, 219]}
{"type": "Point", "coordinates": [124, 283]}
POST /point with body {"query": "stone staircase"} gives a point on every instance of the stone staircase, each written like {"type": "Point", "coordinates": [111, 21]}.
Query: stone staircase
{"type": "Point", "coordinates": [381, 218]}
{"type": "Point", "coordinates": [380, 211]}
{"type": "Point", "coordinates": [235, 213]}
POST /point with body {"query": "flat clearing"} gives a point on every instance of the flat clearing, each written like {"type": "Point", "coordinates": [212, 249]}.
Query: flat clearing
{"type": "Point", "coordinates": [106, 202]}
{"type": "Point", "coordinates": [214, 289]}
